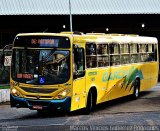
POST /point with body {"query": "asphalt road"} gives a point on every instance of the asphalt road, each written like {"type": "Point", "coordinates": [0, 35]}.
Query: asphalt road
{"type": "Point", "coordinates": [120, 114]}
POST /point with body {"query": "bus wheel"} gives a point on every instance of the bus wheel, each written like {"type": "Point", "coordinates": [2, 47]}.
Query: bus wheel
{"type": "Point", "coordinates": [136, 89]}
{"type": "Point", "coordinates": [91, 101]}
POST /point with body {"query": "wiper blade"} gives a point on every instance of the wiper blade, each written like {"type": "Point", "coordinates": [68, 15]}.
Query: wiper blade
{"type": "Point", "coordinates": [47, 56]}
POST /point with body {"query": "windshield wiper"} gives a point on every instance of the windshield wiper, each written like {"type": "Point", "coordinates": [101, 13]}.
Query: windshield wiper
{"type": "Point", "coordinates": [57, 60]}
{"type": "Point", "coordinates": [47, 56]}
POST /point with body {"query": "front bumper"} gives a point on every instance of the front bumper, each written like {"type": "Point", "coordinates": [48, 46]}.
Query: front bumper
{"type": "Point", "coordinates": [63, 104]}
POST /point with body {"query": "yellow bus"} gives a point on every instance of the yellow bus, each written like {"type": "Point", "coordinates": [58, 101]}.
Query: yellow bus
{"type": "Point", "coordinates": [67, 71]}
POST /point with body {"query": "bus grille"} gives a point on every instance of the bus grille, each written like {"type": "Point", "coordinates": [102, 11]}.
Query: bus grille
{"type": "Point", "coordinates": [38, 90]}
{"type": "Point", "coordinates": [39, 97]}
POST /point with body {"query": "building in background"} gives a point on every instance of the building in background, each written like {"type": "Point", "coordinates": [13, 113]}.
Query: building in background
{"type": "Point", "coordinates": [107, 16]}
{"type": "Point", "coordinates": [113, 16]}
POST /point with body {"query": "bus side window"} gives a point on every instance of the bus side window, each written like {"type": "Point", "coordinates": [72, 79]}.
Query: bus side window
{"type": "Point", "coordinates": [114, 51]}
{"type": "Point", "coordinates": [155, 51]}
{"type": "Point", "coordinates": [114, 60]}
{"type": "Point", "coordinates": [143, 49]}
{"type": "Point", "coordinates": [134, 56]}
{"type": "Point", "coordinates": [102, 49]}
{"type": "Point", "coordinates": [125, 57]}
{"type": "Point", "coordinates": [90, 49]}
{"type": "Point", "coordinates": [133, 48]}
{"type": "Point", "coordinates": [150, 52]}
{"type": "Point", "coordinates": [150, 48]}
{"type": "Point", "coordinates": [91, 55]}
{"type": "Point", "coordinates": [114, 48]}
{"type": "Point", "coordinates": [102, 55]}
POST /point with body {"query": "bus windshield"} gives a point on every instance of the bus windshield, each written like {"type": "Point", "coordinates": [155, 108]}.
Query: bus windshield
{"type": "Point", "coordinates": [49, 66]}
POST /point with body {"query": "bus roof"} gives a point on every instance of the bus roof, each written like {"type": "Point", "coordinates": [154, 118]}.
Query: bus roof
{"type": "Point", "coordinates": [100, 37]}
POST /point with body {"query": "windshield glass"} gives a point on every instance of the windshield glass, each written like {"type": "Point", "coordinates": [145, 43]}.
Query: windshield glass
{"type": "Point", "coordinates": [40, 66]}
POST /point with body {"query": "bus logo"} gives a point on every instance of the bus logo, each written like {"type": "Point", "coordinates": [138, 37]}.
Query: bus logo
{"type": "Point", "coordinates": [38, 96]}
{"type": "Point", "coordinates": [41, 80]}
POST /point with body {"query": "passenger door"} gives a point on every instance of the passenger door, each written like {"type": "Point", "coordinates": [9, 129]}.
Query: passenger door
{"type": "Point", "coordinates": [78, 98]}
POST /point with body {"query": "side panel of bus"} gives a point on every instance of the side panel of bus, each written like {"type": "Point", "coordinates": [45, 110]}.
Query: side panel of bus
{"type": "Point", "coordinates": [155, 70]}
{"type": "Point", "coordinates": [115, 81]}
{"type": "Point", "coordinates": [154, 73]}
{"type": "Point", "coordinates": [98, 78]}
{"type": "Point", "coordinates": [79, 95]}
{"type": "Point", "coordinates": [118, 81]}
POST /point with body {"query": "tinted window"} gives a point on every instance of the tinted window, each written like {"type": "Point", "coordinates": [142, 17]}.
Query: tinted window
{"type": "Point", "coordinates": [114, 54]}
{"type": "Point", "coordinates": [114, 48]}
{"type": "Point", "coordinates": [143, 48]}
{"type": "Point", "coordinates": [91, 61]}
{"type": "Point", "coordinates": [133, 48]}
{"type": "Point", "coordinates": [91, 55]}
{"type": "Point", "coordinates": [134, 58]}
{"type": "Point", "coordinates": [102, 49]}
{"type": "Point", "coordinates": [103, 61]}
{"type": "Point", "coordinates": [124, 48]}
{"type": "Point", "coordinates": [90, 49]}
{"type": "Point", "coordinates": [125, 59]}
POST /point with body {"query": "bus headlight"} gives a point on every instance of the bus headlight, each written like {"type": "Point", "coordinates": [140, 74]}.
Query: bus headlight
{"type": "Point", "coordinates": [15, 92]}
{"type": "Point", "coordinates": [63, 94]}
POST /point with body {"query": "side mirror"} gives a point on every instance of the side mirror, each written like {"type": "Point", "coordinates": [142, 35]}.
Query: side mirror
{"type": "Point", "coordinates": [78, 74]}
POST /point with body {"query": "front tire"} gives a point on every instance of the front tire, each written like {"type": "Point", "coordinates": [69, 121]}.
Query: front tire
{"type": "Point", "coordinates": [91, 102]}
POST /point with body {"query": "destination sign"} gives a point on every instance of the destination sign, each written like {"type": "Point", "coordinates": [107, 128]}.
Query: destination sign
{"type": "Point", "coordinates": [42, 42]}
{"type": "Point", "coordinates": [45, 42]}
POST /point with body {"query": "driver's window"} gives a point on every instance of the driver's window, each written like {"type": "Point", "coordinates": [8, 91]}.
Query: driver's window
{"type": "Point", "coordinates": [79, 59]}
{"type": "Point", "coordinates": [78, 65]}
